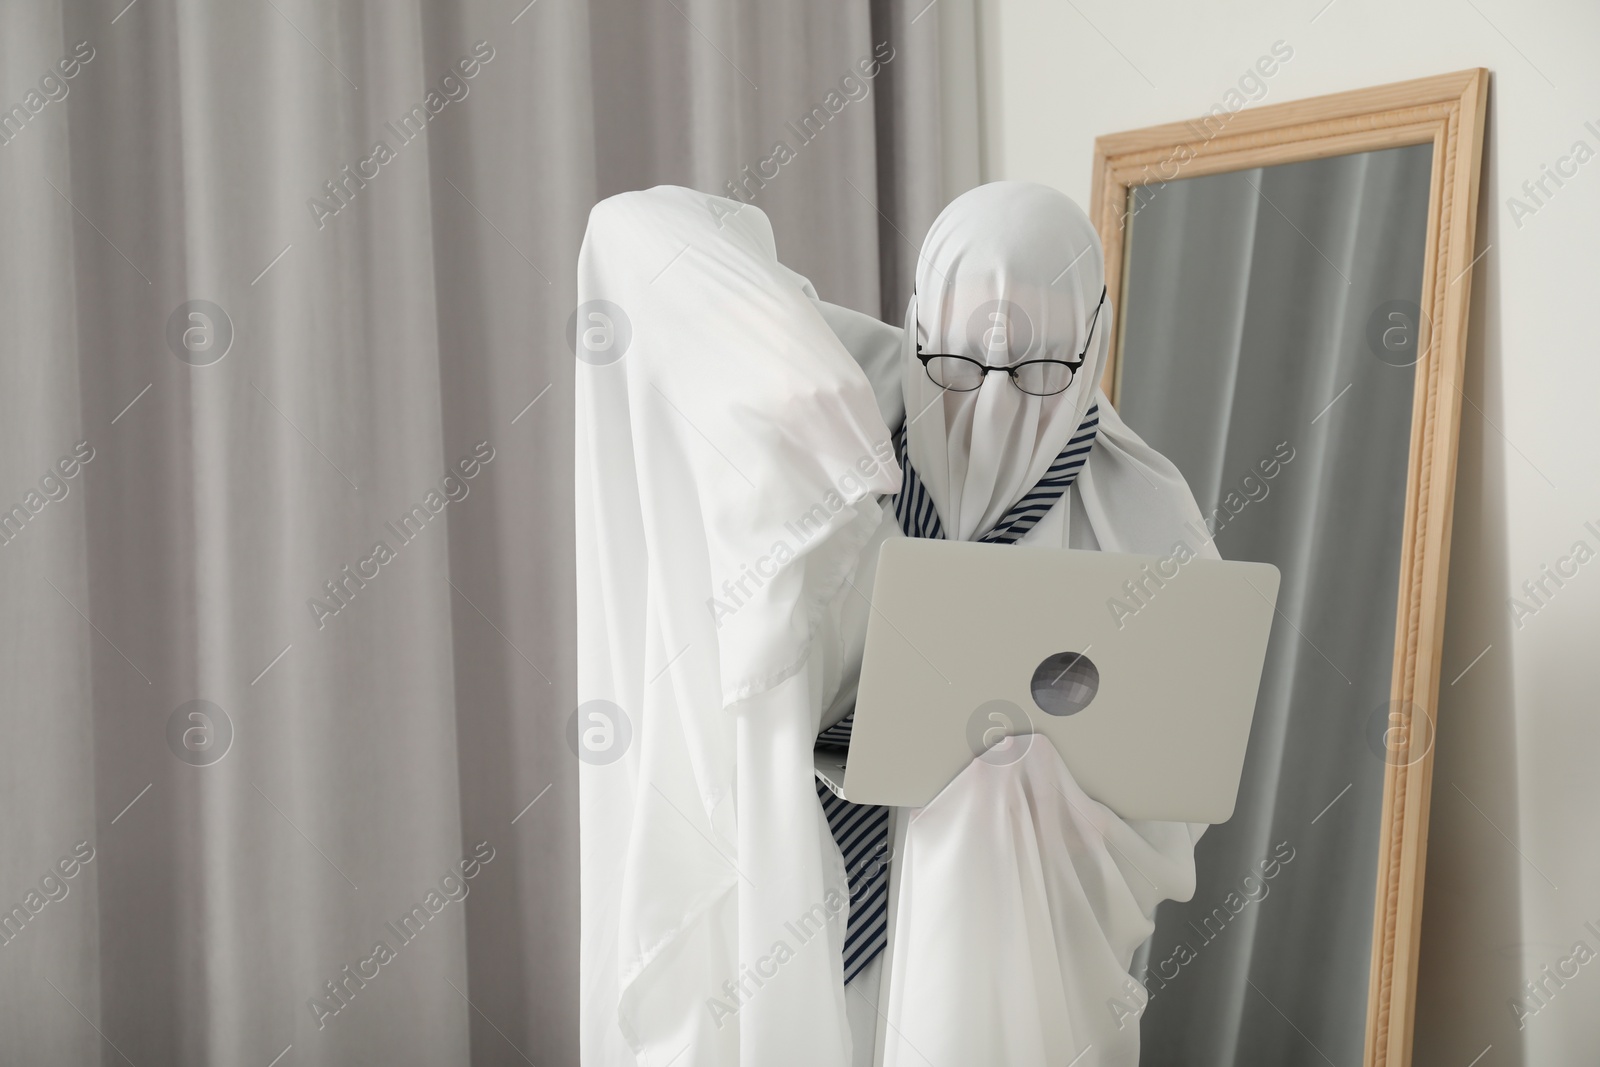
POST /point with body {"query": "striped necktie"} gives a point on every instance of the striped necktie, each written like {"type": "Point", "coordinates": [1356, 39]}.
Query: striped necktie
{"type": "Point", "coordinates": [862, 830]}
{"type": "Point", "coordinates": [918, 518]}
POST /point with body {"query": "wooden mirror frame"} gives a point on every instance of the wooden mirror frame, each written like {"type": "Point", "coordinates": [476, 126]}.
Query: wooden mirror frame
{"type": "Point", "coordinates": [1446, 111]}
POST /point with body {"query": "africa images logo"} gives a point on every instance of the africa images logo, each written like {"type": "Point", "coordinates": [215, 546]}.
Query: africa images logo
{"type": "Point", "coordinates": [343, 187]}
{"type": "Point", "coordinates": [341, 990]}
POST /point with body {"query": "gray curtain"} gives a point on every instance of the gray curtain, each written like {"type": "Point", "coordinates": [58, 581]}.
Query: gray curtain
{"type": "Point", "coordinates": [1257, 299]}
{"type": "Point", "coordinates": [242, 347]}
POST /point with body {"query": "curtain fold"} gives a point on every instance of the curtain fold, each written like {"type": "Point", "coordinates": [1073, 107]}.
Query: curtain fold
{"type": "Point", "coordinates": [288, 655]}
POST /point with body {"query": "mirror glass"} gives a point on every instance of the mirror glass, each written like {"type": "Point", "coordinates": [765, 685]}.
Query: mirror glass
{"type": "Point", "coordinates": [1268, 328]}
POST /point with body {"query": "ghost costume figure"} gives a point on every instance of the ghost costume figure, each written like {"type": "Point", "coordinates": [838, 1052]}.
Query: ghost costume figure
{"type": "Point", "coordinates": [736, 474]}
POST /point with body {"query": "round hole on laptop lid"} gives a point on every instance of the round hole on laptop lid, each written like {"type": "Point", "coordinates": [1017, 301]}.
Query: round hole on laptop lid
{"type": "Point", "coordinates": [1065, 683]}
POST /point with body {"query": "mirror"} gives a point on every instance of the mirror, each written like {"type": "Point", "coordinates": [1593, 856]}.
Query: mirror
{"type": "Point", "coordinates": [1292, 294]}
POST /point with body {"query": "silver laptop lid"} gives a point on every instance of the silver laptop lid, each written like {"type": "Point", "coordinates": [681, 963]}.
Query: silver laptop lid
{"type": "Point", "coordinates": [1143, 671]}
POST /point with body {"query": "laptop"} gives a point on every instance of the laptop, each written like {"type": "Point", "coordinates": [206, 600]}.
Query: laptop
{"type": "Point", "coordinates": [1142, 671]}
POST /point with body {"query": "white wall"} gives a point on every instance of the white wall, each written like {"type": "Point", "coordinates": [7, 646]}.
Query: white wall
{"type": "Point", "coordinates": [1514, 860]}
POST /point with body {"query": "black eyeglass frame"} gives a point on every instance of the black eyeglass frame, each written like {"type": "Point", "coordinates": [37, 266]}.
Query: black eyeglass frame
{"type": "Point", "coordinates": [1073, 366]}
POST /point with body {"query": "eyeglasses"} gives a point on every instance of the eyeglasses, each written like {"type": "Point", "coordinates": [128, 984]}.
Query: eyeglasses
{"type": "Point", "coordinates": [1036, 377]}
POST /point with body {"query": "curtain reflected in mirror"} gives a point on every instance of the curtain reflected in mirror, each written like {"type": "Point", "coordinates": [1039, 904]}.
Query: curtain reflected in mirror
{"type": "Point", "coordinates": [1269, 328]}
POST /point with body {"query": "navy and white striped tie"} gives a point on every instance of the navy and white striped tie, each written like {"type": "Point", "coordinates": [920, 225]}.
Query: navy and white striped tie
{"type": "Point", "coordinates": [862, 830]}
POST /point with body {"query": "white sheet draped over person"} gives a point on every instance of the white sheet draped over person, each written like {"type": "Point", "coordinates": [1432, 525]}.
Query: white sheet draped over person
{"type": "Point", "coordinates": [730, 454]}
{"type": "Point", "coordinates": [736, 423]}
{"type": "Point", "coordinates": [1021, 900]}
